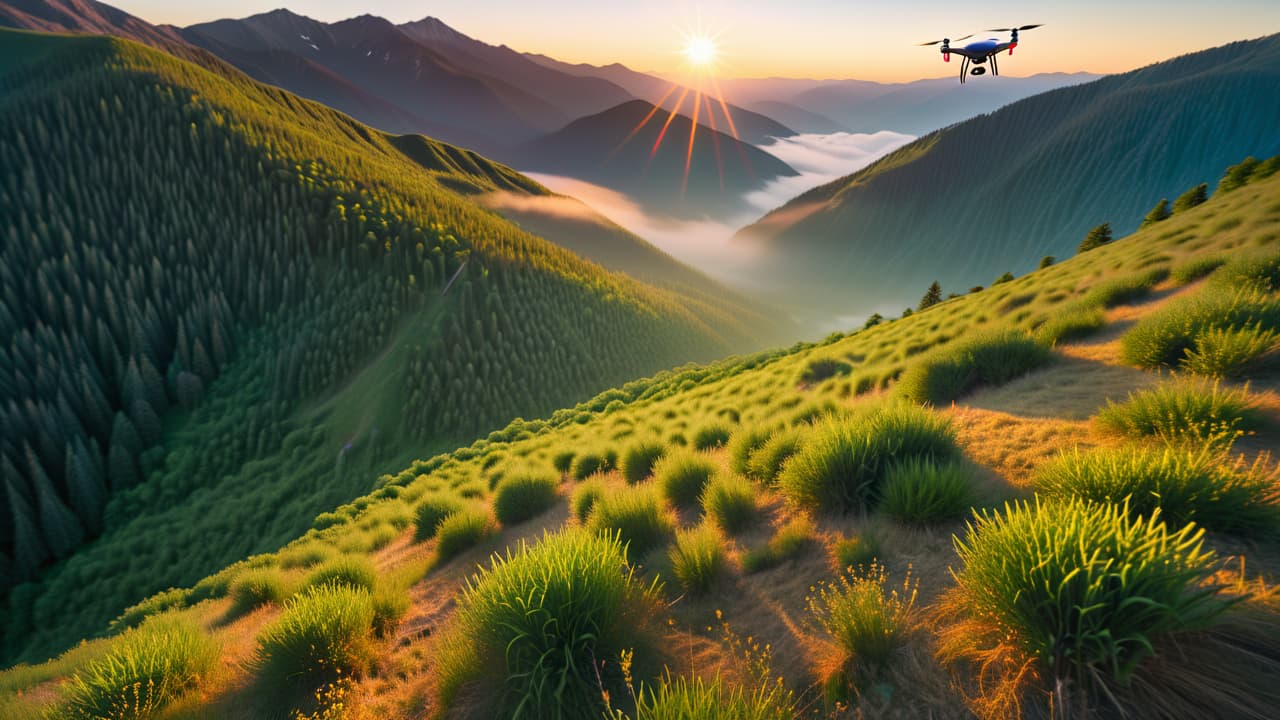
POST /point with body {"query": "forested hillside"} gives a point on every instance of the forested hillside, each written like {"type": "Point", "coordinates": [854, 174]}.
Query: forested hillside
{"type": "Point", "coordinates": [1000, 191]}
{"type": "Point", "coordinates": [226, 308]}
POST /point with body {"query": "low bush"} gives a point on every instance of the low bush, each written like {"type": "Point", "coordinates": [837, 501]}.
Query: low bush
{"type": "Point", "coordinates": [765, 464]}
{"type": "Point", "coordinates": [1192, 270]}
{"type": "Point", "coordinates": [638, 515]}
{"type": "Point", "coordinates": [866, 619]}
{"type": "Point", "coordinates": [1123, 291]}
{"type": "Point", "coordinates": [585, 497]}
{"type": "Point", "coordinates": [1082, 591]}
{"type": "Point", "coordinates": [431, 511]}
{"type": "Point", "coordinates": [389, 605]}
{"type": "Point", "coordinates": [353, 571]}
{"type": "Point", "coordinates": [562, 461]}
{"type": "Point", "coordinates": [1229, 352]}
{"type": "Point", "coordinates": [1072, 323]}
{"type": "Point", "coordinates": [744, 443]}
{"type": "Point", "coordinates": [711, 436]}
{"type": "Point", "coordinates": [553, 616]}
{"type": "Point", "coordinates": [818, 369]}
{"type": "Point", "coordinates": [1259, 271]}
{"type": "Point", "coordinates": [697, 559]}
{"type": "Point", "coordinates": [792, 539]}
{"type": "Point", "coordinates": [1167, 336]}
{"type": "Point", "coordinates": [524, 496]}
{"type": "Point", "coordinates": [682, 475]}
{"type": "Point", "coordinates": [843, 463]}
{"type": "Point", "coordinates": [252, 589]}
{"type": "Point", "coordinates": [946, 374]}
{"type": "Point", "coordinates": [1184, 411]}
{"type": "Point", "coordinates": [639, 459]}
{"type": "Point", "coordinates": [146, 669]}
{"type": "Point", "coordinates": [589, 463]}
{"type": "Point", "coordinates": [322, 635]}
{"type": "Point", "coordinates": [920, 490]}
{"type": "Point", "coordinates": [730, 502]}
{"type": "Point", "coordinates": [1185, 485]}
{"type": "Point", "coordinates": [462, 531]}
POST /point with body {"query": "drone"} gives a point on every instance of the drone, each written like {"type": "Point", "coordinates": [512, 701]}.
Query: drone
{"type": "Point", "coordinates": [979, 52]}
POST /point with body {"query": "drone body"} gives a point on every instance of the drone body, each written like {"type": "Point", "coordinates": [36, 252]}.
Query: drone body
{"type": "Point", "coordinates": [977, 53]}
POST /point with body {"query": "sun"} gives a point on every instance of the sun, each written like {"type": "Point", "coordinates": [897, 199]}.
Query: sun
{"type": "Point", "coordinates": [701, 51]}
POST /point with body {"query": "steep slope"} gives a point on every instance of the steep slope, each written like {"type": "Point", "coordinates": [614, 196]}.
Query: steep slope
{"type": "Point", "coordinates": [226, 308]}
{"type": "Point", "coordinates": [998, 192]}
{"type": "Point", "coordinates": [778, 570]}
{"type": "Point", "coordinates": [572, 94]}
{"type": "Point", "coordinates": [620, 149]}
{"type": "Point", "coordinates": [83, 16]}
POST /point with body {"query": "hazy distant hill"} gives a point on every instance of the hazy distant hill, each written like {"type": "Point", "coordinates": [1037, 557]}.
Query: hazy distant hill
{"type": "Point", "coordinates": [1000, 191]}
{"type": "Point", "coordinates": [603, 149]}
{"type": "Point", "coordinates": [87, 17]}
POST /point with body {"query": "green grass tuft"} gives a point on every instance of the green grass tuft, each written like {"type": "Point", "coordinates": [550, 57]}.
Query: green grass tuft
{"type": "Point", "coordinates": [639, 459]}
{"type": "Point", "coordinates": [353, 571]}
{"type": "Point", "coordinates": [322, 635]}
{"type": "Point", "coordinates": [792, 539]}
{"type": "Point", "coordinates": [853, 552]}
{"type": "Point", "coordinates": [524, 496]}
{"type": "Point", "coordinates": [462, 531]}
{"type": "Point", "coordinates": [589, 463]}
{"type": "Point", "coordinates": [765, 464]}
{"type": "Point", "coordinates": [1123, 291]}
{"type": "Point", "coordinates": [432, 511]}
{"type": "Point", "coordinates": [680, 698]}
{"type": "Point", "coordinates": [745, 442]}
{"type": "Point", "coordinates": [254, 588]}
{"type": "Point", "coordinates": [1185, 485]}
{"type": "Point", "coordinates": [711, 436]}
{"type": "Point", "coordinates": [730, 502]}
{"type": "Point", "coordinates": [1072, 323]}
{"type": "Point", "coordinates": [146, 669]}
{"type": "Point", "coordinates": [683, 475]}
{"type": "Point", "coordinates": [638, 515]}
{"type": "Point", "coordinates": [585, 497]}
{"type": "Point", "coordinates": [866, 618]}
{"type": "Point", "coordinates": [1196, 268]}
{"type": "Point", "coordinates": [1167, 336]}
{"type": "Point", "coordinates": [1184, 411]}
{"type": "Point", "coordinates": [843, 463]}
{"type": "Point", "coordinates": [946, 374]}
{"type": "Point", "coordinates": [922, 491]}
{"type": "Point", "coordinates": [697, 559]}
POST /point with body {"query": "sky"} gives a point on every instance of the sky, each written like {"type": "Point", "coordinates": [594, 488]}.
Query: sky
{"type": "Point", "coordinates": [870, 40]}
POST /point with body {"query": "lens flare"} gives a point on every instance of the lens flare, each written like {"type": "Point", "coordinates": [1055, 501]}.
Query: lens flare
{"type": "Point", "coordinates": [701, 51]}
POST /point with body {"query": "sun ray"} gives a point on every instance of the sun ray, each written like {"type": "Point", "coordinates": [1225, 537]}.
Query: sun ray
{"type": "Point", "coordinates": [693, 133]}
{"type": "Point", "coordinates": [653, 111]}
{"type": "Point", "coordinates": [715, 140]}
{"type": "Point", "coordinates": [667, 124]}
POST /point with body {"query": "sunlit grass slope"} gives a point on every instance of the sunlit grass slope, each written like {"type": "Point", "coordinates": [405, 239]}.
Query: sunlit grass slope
{"type": "Point", "coordinates": [891, 554]}
{"type": "Point", "coordinates": [226, 309]}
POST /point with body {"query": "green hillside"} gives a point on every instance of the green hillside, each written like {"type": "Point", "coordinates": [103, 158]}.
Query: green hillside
{"type": "Point", "coordinates": [1000, 191]}
{"type": "Point", "coordinates": [226, 309]}
{"type": "Point", "coordinates": [1056, 492]}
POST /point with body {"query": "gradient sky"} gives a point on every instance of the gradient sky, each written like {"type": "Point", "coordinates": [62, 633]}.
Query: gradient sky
{"type": "Point", "coordinates": [803, 38]}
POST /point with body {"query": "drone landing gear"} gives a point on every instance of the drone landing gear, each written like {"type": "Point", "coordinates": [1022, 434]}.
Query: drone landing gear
{"type": "Point", "coordinates": [995, 67]}
{"type": "Point", "coordinates": [964, 70]}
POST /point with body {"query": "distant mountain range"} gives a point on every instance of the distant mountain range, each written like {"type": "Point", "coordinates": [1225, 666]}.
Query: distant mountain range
{"type": "Point", "coordinates": [998, 192]}
{"type": "Point", "coordinates": [619, 148]}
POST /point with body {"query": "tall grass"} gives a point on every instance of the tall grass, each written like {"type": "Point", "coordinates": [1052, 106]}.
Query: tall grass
{"type": "Point", "coordinates": [550, 616]}
{"type": "Point", "coordinates": [146, 669]}
{"type": "Point", "coordinates": [922, 491]}
{"type": "Point", "coordinates": [323, 635]}
{"type": "Point", "coordinates": [524, 496]}
{"type": "Point", "coordinates": [843, 463]}
{"type": "Point", "coordinates": [681, 698]}
{"type": "Point", "coordinates": [790, 541]}
{"type": "Point", "coordinates": [744, 443]}
{"type": "Point", "coordinates": [697, 559]}
{"type": "Point", "coordinates": [1183, 484]}
{"type": "Point", "coordinates": [353, 571]}
{"type": "Point", "coordinates": [584, 498]}
{"type": "Point", "coordinates": [639, 459]}
{"type": "Point", "coordinates": [254, 588]}
{"type": "Point", "coordinates": [730, 502]}
{"type": "Point", "coordinates": [711, 436]}
{"type": "Point", "coordinates": [866, 619]}
{"type": "Point", "coordinates": [1238, 318]}
{"type": "Point", "coordinates": [765, 464]}
{"type": "Point", "coordinates": [1071, 323]}
{"type": "Point", "coordinates": [683, 474]}
{"type": "Point", "coordinates": [1124, 290]}
{"type": "Point", "coordinates": [590, 462]}
{"type": "Point", "coordinates": [433, 510]}
{"type": "Point", "coordinates": [1184, 411]}
{"type": "Point", "coordinates": [638, 515]}
{"type": "Point", "coordinates": [462, 531]}
{"type": "Point", "coordinates": [1083, 590]}
{"type": "Point", "coordinates": [946, 374]}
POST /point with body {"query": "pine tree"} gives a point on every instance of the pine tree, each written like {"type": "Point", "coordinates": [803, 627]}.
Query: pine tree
{"type": "Point", "coordinates": [86, 490]}
{"type": "Point", "coordinates": [1191, 198]}
{"type": "Point", "coordinates": [1238, 175]}
{"type": "Point", "coordinates": [1007, 277]}
{"type": "Point", "coordinates": [1097, 237]}
{"type": "Point", "coordinates": [1159, 213]}
{"type": "Point", "coordinates": [29, 549]}
{"type": "Point", "coordinates": [1047, 261]}
{"type": "Point", "coordinates": [932, 296]}
{"type": "Point", "coordinates": [61, 531]}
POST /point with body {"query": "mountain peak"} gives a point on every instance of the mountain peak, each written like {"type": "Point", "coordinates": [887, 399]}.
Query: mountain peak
{"type": "Point", "coordinates": [433, 29]}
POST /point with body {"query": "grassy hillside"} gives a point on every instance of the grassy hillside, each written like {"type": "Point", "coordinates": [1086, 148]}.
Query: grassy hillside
{"type": "Point", "coordinates": [795, 531]}
{"type": "Point", "coordinates": [227, 309]}
{"type": "Point", "coordinates": [1000, 191]}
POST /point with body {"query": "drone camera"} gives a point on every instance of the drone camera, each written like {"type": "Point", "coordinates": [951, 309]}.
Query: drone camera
{"type": "Point", "coordinates": [978, 70]}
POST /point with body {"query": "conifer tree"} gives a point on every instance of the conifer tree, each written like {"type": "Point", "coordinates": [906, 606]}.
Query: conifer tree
{"type": "Point", "coordinates": [932, 296]}
{"type": "Point", "coordinates": [1191, 198]}
{"type": "Point", "coordinates": [1096, 238]}
{"type": "Point", "coordinates": [1159, 213]}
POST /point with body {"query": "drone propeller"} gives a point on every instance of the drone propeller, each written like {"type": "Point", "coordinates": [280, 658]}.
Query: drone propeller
{"type": "Point", "coordinates": [947, 40]}
{"type": "Point", "coordinates": [1017, 29]}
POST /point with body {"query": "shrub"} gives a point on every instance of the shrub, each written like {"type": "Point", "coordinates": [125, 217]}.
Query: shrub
{"type": "Point", "coordinates": [744, 443]}
{"type": "Point", "coordinates": [145, 669]}
{"type": "Point", "coordinates": [389, 605]}
{"type": "Point", "coordinates": [462, 531]}
{"type": "Point", "coordinates": [323, 635]}
{"type": "Point", "coordinates": [1096, 238]}
{"type": "Point", "coordinates": [1238, 175]}
{"type": "Point", "coordinates": [852, 552]}
{"type": "Point", "coordinates": [683, 475]}
{"type": "Point", "coordinates": [1046, 262]}
{"type": "Point", "coordinates": [1122, 291]}
{"type": "Point", "coordinates": [639, 459]}
{"type": "Point", "coordinates": [682, 699]}
{"type": "Point", "coordinates": [1196, 268]}
{"type": "Point", "coordinates": [1184, 485]}
{"type": "Point", "coordinates": [865, 619]}
{"type": "Point", "coordinates": [1259, 271]}
{"type": "Point", "coordinates": [992, 359]}
{"type": "Point", "coordinates": [920, 490]}
{"type": "Point", "coordinates": [173, 598]}
{"type": "Point", "coordinates": [585, 497]}
{"type": "Point", "coordinates": [1081, 589]}
{"type": "Point", "coordinates": [697, 559]}
{"type": "Point", "coordinates": [638, 515]}
{"type": "Point", "coordinates": [524, 496]}
{"type": "Point", "coordinates": [1164, 338]}
{"type": "Point", "coordinates": [589, 463]}
{"type": "Point", "coordinates": [353, 571]}
{"type": "Point", "coordinates": [548, 614]}
{"type": "Point", "coordinates": [1072, 323]}
{"type": "Point", "coordinates": [1191, 198]}
{"type": "Point", "coordinates": [789, 541]}
{"type": "Point", "coordinates": [818, 369]}
{"type": "Point", "coordinates": [1228, 352]}
{"type": "Point", "coordinates": [765, 464]}
{"type": "Point", "coordinates": [1159, 213]}
{"type": "Point", "coordinates": [562, 461]}
{"type": "Point", "coordinates": [1190, 410]}
{"type": "Point", "coordinates": [730, 502]}
{"type": "Point", "coordinates": [433, 510]}
{"type": "Point", "coordinates": [253, 588]}
{"type": "Point", "coordinates": [711, 436]}
{"type": "Point", "coordinates": [843, 462]}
